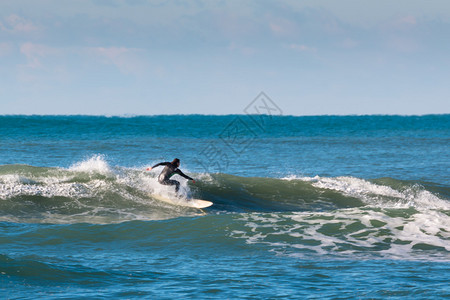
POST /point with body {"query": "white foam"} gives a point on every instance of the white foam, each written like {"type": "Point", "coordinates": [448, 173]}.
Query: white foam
{"type": "Point", "coordinates": [376, 194]}
{"type": "Point", "coordinates": [95, 164]}
{"type": "Point", "coordinates": [15, 179]}
{"type": "Point", "coordinates": [54, 183]}
{"type": "Point", "coordinates": [94, 199]}
{"type": "Point", "coordinates": [58, 189]}
{"type": "Point", "coordinates": [397, 235]}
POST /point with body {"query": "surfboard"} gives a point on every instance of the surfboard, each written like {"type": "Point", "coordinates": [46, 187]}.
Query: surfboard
{"type": "Point", "coordinates": [197, 203]}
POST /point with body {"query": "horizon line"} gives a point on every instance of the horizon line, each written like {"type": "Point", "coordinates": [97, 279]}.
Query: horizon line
{"type": "Point", "coordinates": [216, 115]}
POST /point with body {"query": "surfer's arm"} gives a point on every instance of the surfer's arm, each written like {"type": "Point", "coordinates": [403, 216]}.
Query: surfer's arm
{"type": "Point", "coordinates": [157, 165]}
{"type": "Point", "coordinates": [178, 171]}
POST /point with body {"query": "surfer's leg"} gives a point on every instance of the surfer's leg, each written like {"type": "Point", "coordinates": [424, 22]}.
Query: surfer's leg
{"type": "Point", "coordinates": [172, 182]}
{"type": "Point", "coordinates": [177, 185]}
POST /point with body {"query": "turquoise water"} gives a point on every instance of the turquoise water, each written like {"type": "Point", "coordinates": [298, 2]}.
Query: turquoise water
{"type": "Point", "coordinates": [304, 207]}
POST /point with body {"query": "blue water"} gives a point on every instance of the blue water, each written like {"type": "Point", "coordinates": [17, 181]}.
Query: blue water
{"type": "Point", "coordinates": [304, 207]}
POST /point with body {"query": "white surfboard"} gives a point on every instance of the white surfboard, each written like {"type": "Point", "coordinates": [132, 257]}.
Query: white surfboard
{"type": "Point", "coordinates": [197, 203]}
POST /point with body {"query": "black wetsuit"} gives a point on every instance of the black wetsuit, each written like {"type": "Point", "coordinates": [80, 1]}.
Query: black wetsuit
{"type": "Point", "coordinates": [168, 171]}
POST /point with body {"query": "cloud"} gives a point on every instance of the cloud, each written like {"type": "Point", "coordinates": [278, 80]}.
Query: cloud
{"type": "Point", "coordinates": [16, 24]}
{"type": "Point", "coordinates": [403, 23]}
{"type": "Point", "coordinates": [283, 24]}
{"type": "Point", "coordinates": [248, 51]}
{"type": "Point", "coordinates": [408, 20]}
{"type": "Point", "coordinates": [40, 66]}
{"type": "Point", "coordinates": [404, 44]}
{"type": "Point", "coordinates": [349, 43]}
{"type": "Point", "coordinates": [118, 3]}
{"type": "Point", "coordinates": [47, 59]}
{"type": "Point", "coordinates": [35, 52]}
{"type": "Point", "coordinates": [127, 60]}
{"type": "Point", "coordinates": [302, 48]}
{"type": "Point", "coordinates": [111, 53]}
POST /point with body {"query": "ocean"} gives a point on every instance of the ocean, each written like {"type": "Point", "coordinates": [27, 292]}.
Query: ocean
{"type": "Point", "coordinates": [305, 207]}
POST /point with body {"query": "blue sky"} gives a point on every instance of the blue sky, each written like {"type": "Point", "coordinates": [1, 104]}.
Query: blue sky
{"type": "Point", "coordinates": [118, 57]}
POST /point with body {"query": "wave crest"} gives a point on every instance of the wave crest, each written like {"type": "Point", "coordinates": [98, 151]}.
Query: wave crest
{"type": "Point", "coordinates": [92, 190]}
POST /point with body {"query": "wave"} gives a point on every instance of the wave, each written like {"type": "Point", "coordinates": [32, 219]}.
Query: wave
{"type": "Point", "coordinates": [93, 191]}
{"type": "Point", "coordinates": [295, 216]}
{"type": "Point", "coordinates": [31, 269]}
{"type": "Point", "coordinates": [385, 192]}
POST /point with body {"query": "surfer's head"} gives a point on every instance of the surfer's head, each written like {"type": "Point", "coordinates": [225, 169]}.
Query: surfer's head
{"type": "Point", "coordinates": [176, 162]}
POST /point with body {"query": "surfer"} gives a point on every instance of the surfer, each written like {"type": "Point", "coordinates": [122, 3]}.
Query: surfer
{"type": "Point", "coordinates": [170, 169]}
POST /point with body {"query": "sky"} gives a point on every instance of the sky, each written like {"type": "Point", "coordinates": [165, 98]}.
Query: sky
{"type": "Point", "coordinates": [136, 57]}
